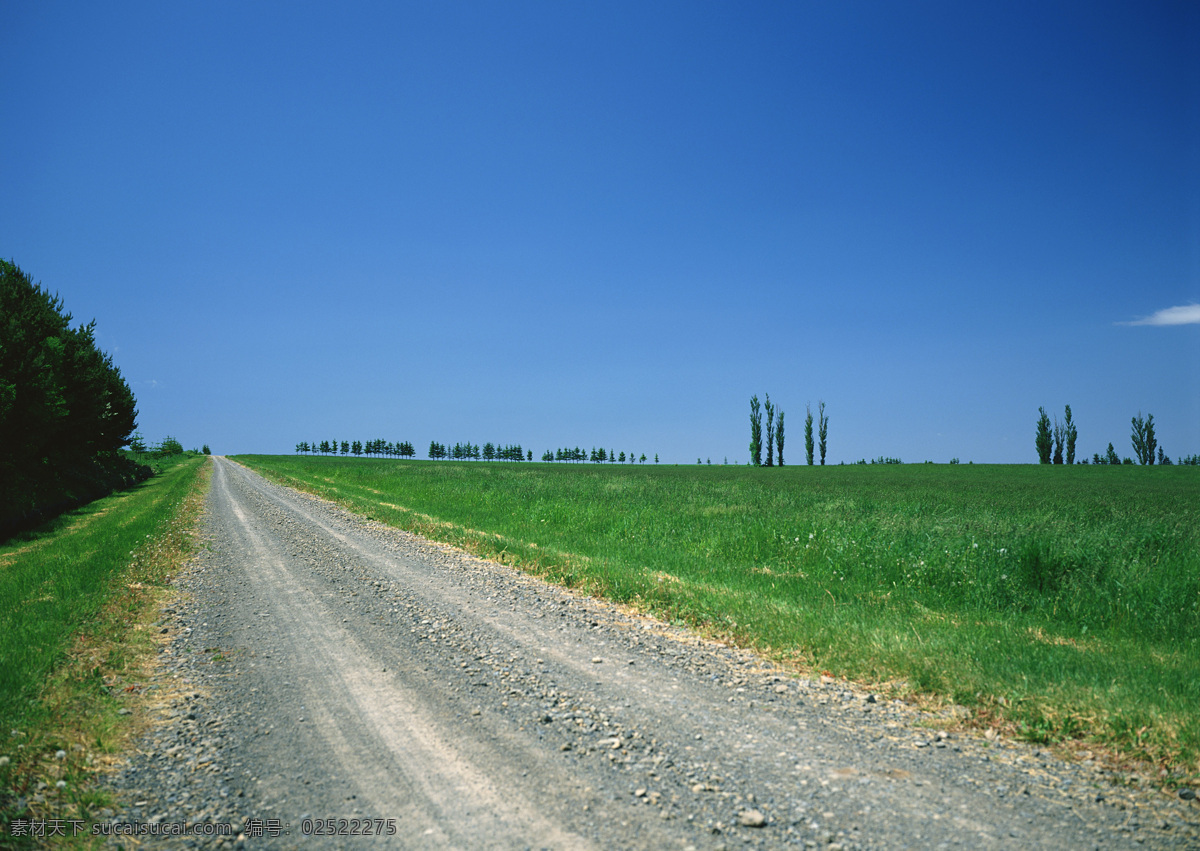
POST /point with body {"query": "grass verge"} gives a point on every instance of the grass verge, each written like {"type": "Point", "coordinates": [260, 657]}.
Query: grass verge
{"type": "Point", "coordinates": [77, 598]}
{"type": "Point", "coordinates": [1060, 604]}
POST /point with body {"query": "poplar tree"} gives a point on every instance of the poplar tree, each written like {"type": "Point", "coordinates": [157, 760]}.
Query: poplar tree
{"type": "Point", "coordinates": [779, 438]}
{"type": "Point", "coordinates": [1044, 441]}
{"type": "Point", "coordinates": [755, 433]}
{"type": "Point", "coordinates": [823, 426]}
{"type": "Point", "coordinates": [770, 431]}
{"type": "Point", "coordinates": [1059, 437]}
{"type": "Point", "coordinates": [1072, 435]}
{"type": "Point", "coordinates": [1144, 443]}
{"type": "Point", "coordinates": [808, 434]}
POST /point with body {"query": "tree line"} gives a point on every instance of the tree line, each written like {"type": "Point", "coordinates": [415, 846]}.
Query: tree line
{"type": "Point", "coordinates": [471, 452]}
{"type": "Point", "coordinates": [775, 433]}
{"type": "Point", "coordinates": [462, 451]}
{"type": "Point", "coordinates": [380, 448]}
{"type": "Point", "coordinates": [167, 447]}
{"type": "Point", "coordinates": [65, 410]}
{"type": "Point", "coordinates": [1049, 441]}
{"type": "Point", "coordinates": [596, 456]}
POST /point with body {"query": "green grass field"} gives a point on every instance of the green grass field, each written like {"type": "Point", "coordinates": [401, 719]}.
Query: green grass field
{"type": "Point", "coordinates": [1063, 602]}
{"type": "Point", "coordinates": [75, 598]}
{"type": "Point", "coordinates": [54, 581]}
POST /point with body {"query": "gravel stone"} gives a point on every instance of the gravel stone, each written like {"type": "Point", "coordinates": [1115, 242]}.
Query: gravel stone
{"type": "Point", "coordinates": [751, 818]}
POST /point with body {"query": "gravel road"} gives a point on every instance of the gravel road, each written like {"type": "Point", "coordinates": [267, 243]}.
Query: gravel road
{"type": "Point", "coordinates": [319, 666]}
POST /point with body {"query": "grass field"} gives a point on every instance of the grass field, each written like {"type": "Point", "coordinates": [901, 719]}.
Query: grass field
{"type": "Point", "coordinates": [1060, 602]}
{"type": "Point", "coordinates": [75, 598]}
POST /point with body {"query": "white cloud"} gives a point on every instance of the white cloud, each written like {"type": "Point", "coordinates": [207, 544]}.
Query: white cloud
{"type": "Point", "coordinates": [1187, 314]}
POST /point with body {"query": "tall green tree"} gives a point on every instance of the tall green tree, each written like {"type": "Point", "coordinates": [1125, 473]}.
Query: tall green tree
{"type": "Point", "coordinates": [808, 434]}
{"type": "Point", "coordinates": [1144, 442]}
{"type": "Point", "coordinates": [779, 438]}
{"type": "Point", "coordinates": [755, 432]}
{"type": "Point", "coordinates": [65, 410]}
{"type": "Point", "coordinates": [770, 431]}
{"type": "Point", "coordinates": [1060, 434]}
{"type": "Point", "coordinates": [823, 431]}
{"type": "Point", "coordinates": [1072, 436]}
{"type": "Point", "coordinates": [1044, 440]}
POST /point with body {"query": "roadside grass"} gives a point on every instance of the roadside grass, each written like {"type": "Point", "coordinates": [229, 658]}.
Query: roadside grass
{"type": "Point", "coordinates": [77, 598]}
{"type": "Point", "coordinates": [1061, 604]}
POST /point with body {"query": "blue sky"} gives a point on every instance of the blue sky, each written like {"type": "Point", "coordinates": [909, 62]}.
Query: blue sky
{"type": "Point", "coordinates": [610, 224]}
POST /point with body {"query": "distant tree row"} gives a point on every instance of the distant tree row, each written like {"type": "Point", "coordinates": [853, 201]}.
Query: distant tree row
{"type": "Point", "coordinates": [459, 452]}
{"type": "Point", "coordinates": [1050, 440]}
{"type": "Point", "coordinates": [1162, 459]}
{"type": "Point", "coordinates": [775, 434]}
{"type": "Point", "coordinates": [379, 448]}
{"type": "Point", "coordinates": [596, 456]}
{"type": "Point", "coordinates": [167, 447]}
{"type": "Point", "coordinates": [471, 452]}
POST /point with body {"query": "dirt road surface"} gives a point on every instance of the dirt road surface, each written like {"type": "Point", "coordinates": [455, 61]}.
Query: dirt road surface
{"type": "Point", "coordinates": [322, 667]}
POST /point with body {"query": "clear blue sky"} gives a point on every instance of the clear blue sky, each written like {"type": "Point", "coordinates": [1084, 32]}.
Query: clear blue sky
{"type": "Point", "coordinates": [608, 224]}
